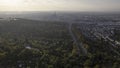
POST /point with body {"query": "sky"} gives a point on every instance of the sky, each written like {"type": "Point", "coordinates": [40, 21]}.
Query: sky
{"type": "Point", "coordinates": [59, 5]}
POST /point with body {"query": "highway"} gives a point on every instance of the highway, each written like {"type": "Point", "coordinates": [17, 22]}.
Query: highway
{"type": "Point", "coordinates": [81, 49]}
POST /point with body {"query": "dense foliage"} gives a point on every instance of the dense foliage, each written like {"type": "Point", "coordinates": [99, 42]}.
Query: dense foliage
{"type": "Point", "coordinates": [38, 44]}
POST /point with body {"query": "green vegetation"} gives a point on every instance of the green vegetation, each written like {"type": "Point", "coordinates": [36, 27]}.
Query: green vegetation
{"type": "Point", "coordinates": [38, 44]}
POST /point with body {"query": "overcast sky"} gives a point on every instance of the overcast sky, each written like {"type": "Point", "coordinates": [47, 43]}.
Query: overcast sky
{"type": "Point", "coordinates": [59, 5]}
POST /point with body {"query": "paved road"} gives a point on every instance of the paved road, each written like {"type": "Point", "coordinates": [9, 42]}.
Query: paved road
{"type": "Point", "coordinates": [81, 48]}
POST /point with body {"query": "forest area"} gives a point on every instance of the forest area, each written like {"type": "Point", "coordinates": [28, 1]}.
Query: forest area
{"type": "Point", "coordinates": [43, 44]}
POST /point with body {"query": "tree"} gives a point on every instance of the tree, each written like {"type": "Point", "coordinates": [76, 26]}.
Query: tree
{"type": "Point", "coordinates": [116, 65]}
{"type": "Point", "coordinates": [97, 66]}
{"type": "Point", "coordinates": [87, 63]}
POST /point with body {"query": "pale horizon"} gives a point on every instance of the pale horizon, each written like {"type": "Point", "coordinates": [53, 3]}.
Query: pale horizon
{"type": "Point", "coordinates": [60, 5]}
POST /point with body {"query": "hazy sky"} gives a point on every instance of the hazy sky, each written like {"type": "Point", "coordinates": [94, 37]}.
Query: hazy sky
{"type": "Point", "coordinates": [59, 5]}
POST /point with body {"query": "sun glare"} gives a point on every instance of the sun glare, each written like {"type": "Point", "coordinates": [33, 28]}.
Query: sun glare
{"type": "Point", "coordinates": [11, 2]}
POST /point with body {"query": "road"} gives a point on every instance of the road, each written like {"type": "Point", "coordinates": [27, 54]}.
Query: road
{"type": "Point", "coordinates": [81, 48]}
